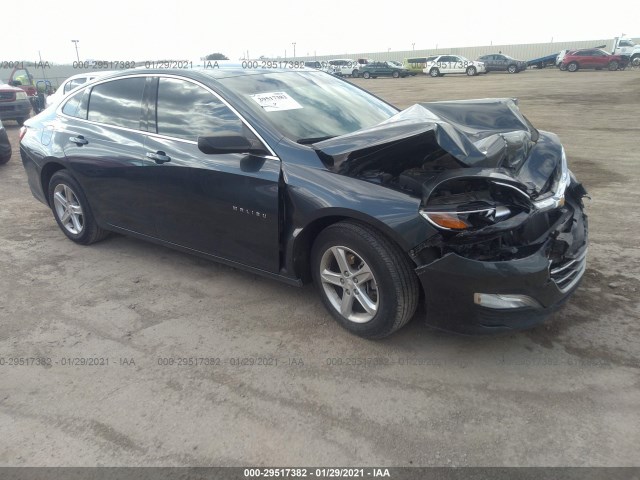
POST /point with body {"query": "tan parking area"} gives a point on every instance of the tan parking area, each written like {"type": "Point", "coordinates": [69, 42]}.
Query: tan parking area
{"type": "Point", "coordinates": [127, 353]}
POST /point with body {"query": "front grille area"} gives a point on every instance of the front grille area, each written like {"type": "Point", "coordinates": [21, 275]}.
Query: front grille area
{"type": "Point", "coordinates": [567, 274]}
{"type": "Point", "coordinates": [7, 96]}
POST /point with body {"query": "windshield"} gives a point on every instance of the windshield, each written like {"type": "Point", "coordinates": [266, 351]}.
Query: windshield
{"type": "Point", "coordinates": [309, 105]}
{"type": "Point", "coordinates": [394, 63]}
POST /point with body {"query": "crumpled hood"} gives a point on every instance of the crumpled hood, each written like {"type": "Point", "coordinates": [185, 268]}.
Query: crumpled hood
{"type": "Point", "coordinates": [487, 133]}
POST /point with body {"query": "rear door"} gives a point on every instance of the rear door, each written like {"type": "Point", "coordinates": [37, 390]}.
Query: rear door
{"type": "Point", "coordinates": [100, 133]}
{"type": "Point", "coordinates": [500, 62]}
{"type": "Point", "coordinates": [225, 205]}
{"type": "Point", "coordinates": [586, 59]}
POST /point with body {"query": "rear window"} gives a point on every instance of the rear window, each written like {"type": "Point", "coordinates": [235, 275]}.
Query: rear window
{"type": "Point", "coordinates": [76, 106]}
{"type": "Point", "coordinates": [118, 102]}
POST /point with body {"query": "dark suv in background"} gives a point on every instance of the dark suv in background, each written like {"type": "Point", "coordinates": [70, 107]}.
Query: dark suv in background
{"type": "Point", "coordinates": [14, 104]}
{"type": "Point", "coordinates": [498, 62]}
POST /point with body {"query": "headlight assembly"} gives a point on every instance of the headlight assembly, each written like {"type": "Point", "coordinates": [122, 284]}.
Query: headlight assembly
{"type": "Point", "coordinates": [473, 204]}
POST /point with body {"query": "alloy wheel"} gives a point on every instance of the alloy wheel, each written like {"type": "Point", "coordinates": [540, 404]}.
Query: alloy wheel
{"type": "Point", "coordinates": [68, 209]}
{"type": "Point", "coordinates": [349, 284]}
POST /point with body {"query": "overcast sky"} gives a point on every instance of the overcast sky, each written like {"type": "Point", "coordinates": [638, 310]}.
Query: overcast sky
{"type": "Point", "coordinates": [142, 30]}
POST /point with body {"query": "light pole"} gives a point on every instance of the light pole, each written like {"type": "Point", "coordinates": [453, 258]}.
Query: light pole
{"type": "Point", "coordinates": [294, 49]}
{"type": "Point", "coordinates": [76, 43]}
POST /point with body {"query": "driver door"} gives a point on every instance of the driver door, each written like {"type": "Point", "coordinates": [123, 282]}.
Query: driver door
{"type": "Point", "coordinates": [226, 205]}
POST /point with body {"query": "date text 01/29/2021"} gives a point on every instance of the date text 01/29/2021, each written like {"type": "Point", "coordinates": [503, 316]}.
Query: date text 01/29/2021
{"type": "Point", "coordinates": [325, 472]}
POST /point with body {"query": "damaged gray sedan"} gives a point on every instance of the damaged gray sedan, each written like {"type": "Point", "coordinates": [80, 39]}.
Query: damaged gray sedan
{"type": "Point", "coordinates": [300, 176]}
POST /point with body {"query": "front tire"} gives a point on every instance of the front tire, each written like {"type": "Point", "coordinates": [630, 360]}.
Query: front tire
{"type": "Point", "coordinates": [365, 281]}
{"type": "Point", "coordinates": [434, 72]}
{"type": "Point", "coordinates": [366, 75]}
{"type": "Point", "coordinates": [71, 210]}
{"type": "Point", "coordinates": [613, 66]}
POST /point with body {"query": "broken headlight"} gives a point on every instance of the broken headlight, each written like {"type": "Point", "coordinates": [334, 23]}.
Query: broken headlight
{"type": "Point", "coordinates": [473, 204]}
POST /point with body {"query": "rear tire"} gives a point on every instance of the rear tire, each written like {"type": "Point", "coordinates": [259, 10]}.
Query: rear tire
{"type": "Point", "coordinates": [366, 75]}
{"type": "Point", "coordinates": [471, 71]}
{"type": "Point", "coordinates": [20, 121]}
{"type": "Point", "coordinates": [512, 69]}
{"type": "Point", "coordinates": [613, 66]}
{"type": "Point", "coordinates": [354, 265]}
{"type": "Point", "coordinates": [355, 73]}
{"type": "Point", "coordinates": [396, 75]}
{"type": "Point", "coordinates": [573, 67]}
{"type": "Point", "coordinates": [72, 211]}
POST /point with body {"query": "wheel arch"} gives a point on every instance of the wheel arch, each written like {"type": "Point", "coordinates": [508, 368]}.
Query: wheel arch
{"type": "Point", "coordinates": [302, 239]}
{"type": "Point", "coordinates": [48, 170]}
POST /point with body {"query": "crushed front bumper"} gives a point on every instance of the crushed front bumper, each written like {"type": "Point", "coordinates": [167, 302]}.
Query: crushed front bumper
{"type": "Point", "coordinates": [455, 287]}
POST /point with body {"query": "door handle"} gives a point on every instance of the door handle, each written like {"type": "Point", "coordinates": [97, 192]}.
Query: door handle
{"type": "Point", "coordinates": [79, 140]}
{"type": "Point", "coordinates": [159, 157]}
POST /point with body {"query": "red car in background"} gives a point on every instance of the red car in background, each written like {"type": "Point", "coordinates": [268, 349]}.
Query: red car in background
{"type": "Point", "coordinates": [591, 58]}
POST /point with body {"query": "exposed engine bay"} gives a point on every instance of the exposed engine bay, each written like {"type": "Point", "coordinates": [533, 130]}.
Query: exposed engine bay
{"type": "Point", "coordinates": [492, 186]}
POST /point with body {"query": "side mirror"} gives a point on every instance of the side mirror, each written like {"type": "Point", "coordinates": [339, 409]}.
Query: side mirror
{"type": "Point", "coordinates": [220, 144]}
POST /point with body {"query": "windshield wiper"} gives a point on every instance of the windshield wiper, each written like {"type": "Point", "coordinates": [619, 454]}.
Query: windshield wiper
{"type": "Point", "coordinates": [307, 141]}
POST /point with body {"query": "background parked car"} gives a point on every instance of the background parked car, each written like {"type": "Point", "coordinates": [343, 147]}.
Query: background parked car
{"type": "Point", "coordinates": [14, 104]}
{"type": "Point", "coordinates": [5, 146]}
{"type": "Point", "coordinates": [498, 62]}
{"type": "Point", "coordinates": [73, 82]}
{"type": "Point", "coordinates": [592, 58]}
{"type": "Point", "coordinates": [345, 67]}
{"type": "Point", "coordinates": [383, 69]}
{"type": "Point", "coordinates": [317, 65]}
{"type": "Point", "coordinates": [417, 64]}
{"type": "Point", "coordinates": [446, 64]}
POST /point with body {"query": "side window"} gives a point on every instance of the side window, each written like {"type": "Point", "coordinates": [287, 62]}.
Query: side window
{"type": "Point", "coordinates": [76, 106]}
{"type": "Point", "coordinates": [186, 110]}
{"type": "Point", "coordinates": [118, 102]}
{"type": "Point", "coordinates": [73, 84]}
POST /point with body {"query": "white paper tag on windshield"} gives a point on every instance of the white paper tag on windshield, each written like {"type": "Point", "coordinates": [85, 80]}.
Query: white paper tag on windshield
{"type": "Point", "coordinates": [275, 101]}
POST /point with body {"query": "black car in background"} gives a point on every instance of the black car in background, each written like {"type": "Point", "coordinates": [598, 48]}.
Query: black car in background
{"type": "Point", "coordinates": [383, 69]}
{"type": "Point", "coordinates": [314, 64]}
{"type": "Point", "coordinates": [498, 62]}
{"type": "Point", "coordinates": [298, 175]}
{"type": "Point", "coordinates": [5, 146]}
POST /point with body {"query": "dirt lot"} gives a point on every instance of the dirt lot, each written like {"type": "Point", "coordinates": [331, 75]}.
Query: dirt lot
{"type": "Point", "coordinates": [565, 393]}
